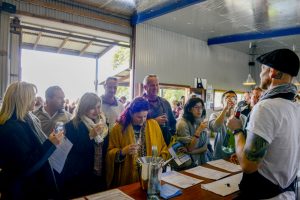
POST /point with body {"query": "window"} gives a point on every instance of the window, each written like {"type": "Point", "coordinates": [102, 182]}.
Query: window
{"type": "Point", "coordinates": [172, 92]}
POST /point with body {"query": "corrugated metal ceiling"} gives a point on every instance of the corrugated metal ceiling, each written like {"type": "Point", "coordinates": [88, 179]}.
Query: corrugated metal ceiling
{"type": "Point", "coordinates": [212, 19]}
{"type": "Point", "coordinates": [218, 18]}
{"type": "Point", "coordinates": [123, 7]}
{"type": "Point", "coordinates": [268, 24]}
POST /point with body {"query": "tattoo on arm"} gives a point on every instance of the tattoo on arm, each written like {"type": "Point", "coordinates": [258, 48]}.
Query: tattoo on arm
{"type": "Point", "coordinates": [255, 148]}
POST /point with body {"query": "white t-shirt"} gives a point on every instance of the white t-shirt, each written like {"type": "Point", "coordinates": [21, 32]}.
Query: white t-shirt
{"type": "Point", "coordinates": [278, 122]}
{"type": "Point", "coordinates": [112, 113]}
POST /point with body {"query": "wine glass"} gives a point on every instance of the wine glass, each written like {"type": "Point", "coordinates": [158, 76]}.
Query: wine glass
{"type": "Point", "coordinates": [164, 115]}
{"type": "Point", "coordinates": [59, 126]}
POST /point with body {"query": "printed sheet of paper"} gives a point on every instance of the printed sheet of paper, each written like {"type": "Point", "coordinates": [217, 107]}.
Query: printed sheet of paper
{"type": "Point", "coordinates": [224, 186]}
{"type": "Point", "coordinates": [178, 156]}
{"type": "Point", "coordinates": [58, 158]}
{"type": "Point", "coordinates": [110, 195]}
{"type": "Point", "coordinates": [223, 164]}
{"type": "Point", "coordinates": [179, 180]}
{"type": "Point", "coordinates": [207, 173]}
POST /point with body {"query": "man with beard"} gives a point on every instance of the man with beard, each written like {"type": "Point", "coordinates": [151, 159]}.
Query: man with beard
{"type": "Point", "coordinates": [53, 111]}
{"type": "Point", "coordinates": [255, 96]}
{"type": "Point", "coordinates": [270, 155]}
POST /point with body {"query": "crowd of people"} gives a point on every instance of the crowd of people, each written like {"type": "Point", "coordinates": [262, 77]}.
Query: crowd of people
{"type": "Point", "coordinates": [108, 134]}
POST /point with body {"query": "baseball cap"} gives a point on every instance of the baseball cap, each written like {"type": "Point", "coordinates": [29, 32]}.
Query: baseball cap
{"type": "Point", "coordinates": [283, 60]}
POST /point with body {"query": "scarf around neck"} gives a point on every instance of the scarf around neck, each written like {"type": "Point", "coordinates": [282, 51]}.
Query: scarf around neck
{"type": "Point", "coordinates": [287, 90]}
{"type": "Point", "coordinates": [35, 126]}
{"type": "Point", "coordinates": [90, 124]}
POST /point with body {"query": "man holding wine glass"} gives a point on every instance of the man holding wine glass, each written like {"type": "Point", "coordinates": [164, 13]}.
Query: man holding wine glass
{"type": "Point", "coordinates": [160, 109]}
{"type": "Point", "coordinates": [217, 123]}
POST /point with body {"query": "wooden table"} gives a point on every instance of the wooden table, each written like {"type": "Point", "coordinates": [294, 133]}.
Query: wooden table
{"type": "Point", "coordinates": [195, 192]}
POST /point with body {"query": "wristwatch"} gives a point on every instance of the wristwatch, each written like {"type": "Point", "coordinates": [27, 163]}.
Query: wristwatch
{"type": "Point", "coordinates": [236, 131]}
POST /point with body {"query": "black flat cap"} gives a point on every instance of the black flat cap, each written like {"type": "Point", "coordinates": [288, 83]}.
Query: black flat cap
{"type": "Point", "coordinates": [283, 60]}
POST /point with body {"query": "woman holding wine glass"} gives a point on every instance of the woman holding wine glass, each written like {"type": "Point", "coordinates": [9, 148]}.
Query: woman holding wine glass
{"type": "Point", "coordinates": [83, 170]}
{"type": "Point", "coordinates": [24, 148]}
{"type": "Point", "coordinates": [133, 136]}
{"type": "Point", "coordinates": [192, 131]}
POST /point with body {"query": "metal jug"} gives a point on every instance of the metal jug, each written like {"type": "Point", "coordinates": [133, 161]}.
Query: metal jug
{"type": "Point", "coordinates": [150, 169]}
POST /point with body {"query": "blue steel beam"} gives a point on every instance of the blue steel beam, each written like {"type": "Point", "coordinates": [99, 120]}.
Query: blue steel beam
{"type": "Point", "coordinates": [160, 10]}
{"type": "Point", "coordinates": [254, 35]}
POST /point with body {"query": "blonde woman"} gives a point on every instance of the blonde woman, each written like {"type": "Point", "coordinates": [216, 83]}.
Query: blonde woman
{"type": "Point", "coordinates": [24, 148]}
{"type": "Point", "coordinates": [83, 172]}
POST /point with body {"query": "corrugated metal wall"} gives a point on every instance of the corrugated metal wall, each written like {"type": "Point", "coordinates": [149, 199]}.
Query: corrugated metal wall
{"type": "Point", "coordinates": [34, 8]}
{"type": "Point", "coordinates": [4, 52]}
{"type": "Point", "coordinates": [178, 59]}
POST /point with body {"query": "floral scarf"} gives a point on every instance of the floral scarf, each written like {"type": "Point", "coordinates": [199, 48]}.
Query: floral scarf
{"type": "Point", "coordinates": [140, 136]}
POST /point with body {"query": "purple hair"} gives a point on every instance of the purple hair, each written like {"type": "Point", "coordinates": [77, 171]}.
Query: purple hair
{"type": "Point", "coordinates": [138, 104]}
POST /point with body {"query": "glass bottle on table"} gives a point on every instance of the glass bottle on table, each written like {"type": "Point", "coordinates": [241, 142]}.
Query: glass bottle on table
{"type": "Point", "coordinates": [154, 170]}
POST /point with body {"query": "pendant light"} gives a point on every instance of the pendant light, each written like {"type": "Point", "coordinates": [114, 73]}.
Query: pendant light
{"type": "Point", "coordinates": [250, 81]}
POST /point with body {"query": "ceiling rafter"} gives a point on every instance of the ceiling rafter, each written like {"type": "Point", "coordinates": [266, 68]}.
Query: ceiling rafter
{"type": "Point", "coordinates": [37, 40]}
{"type": "Point", "coordinates": [63, 44]}
{"type": "Point", "coordinates": [85, 48]}
{"type": "Point", "coordinates": [105, 51]}
{"type": "Point", "coordinates": [122, 78]}
{"type": "Point", "coordinates": [75, 36]}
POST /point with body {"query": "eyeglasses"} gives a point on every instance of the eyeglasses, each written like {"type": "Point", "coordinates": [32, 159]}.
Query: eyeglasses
{"type": "Point", "coordinates": [198, 107]}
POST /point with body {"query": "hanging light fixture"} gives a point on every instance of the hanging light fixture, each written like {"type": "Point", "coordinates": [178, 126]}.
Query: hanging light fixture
{"type": "Point", "coordinates": [250, 81]}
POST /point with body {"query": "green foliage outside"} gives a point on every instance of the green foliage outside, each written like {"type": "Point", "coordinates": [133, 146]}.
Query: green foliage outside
{"type": "Point", "coordinates": [123, 91]}
{"type": "Point", "coordinates": [172, 94]}
{"type": "Point", "coordinates": [121, 57]}
{"type": "Point", "coordinates": [169, 94]}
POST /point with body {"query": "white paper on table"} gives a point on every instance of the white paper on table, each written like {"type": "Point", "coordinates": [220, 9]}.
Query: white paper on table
{"type": "Point", "coordinates": [207, 173]}
{"type": "Point", "coordinates": [180, 180]}
{"type": "Point", "coordinates": [224, 186]}
{"type": "Point", "coordinates": [223, 164]}
{"type": "Point", "coordinates": [58, 158]}
{"type": "Point", "coordinates": [110, 195]}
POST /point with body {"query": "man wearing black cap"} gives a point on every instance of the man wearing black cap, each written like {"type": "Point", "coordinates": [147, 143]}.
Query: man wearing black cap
{"type": "Point", "coordinates": [270, 155]}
